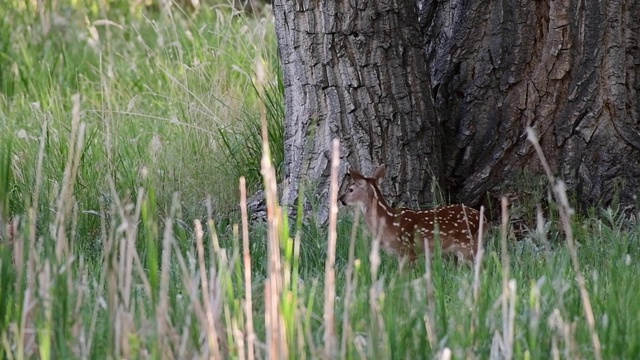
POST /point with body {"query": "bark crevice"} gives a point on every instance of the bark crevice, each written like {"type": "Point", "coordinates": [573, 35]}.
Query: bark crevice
{"type": "Point", "coordinates": [445, 90]}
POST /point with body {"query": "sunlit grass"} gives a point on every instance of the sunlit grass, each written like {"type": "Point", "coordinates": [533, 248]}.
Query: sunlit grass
{"type": "Point", "coordinates": [174, 98]}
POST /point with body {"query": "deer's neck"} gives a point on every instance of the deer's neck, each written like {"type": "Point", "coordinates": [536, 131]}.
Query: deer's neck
{"type": "Point", "coordinates": [378, 213]}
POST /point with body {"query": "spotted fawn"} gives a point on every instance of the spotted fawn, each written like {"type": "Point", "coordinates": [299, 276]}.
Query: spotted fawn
{"type": "Point", "coordinates": [403, 232]}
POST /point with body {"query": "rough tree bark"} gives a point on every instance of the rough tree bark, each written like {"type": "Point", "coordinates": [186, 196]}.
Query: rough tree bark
{"type": "Point", "coordinates": [356, 71]}
{"type": "Point", "coordinates": [570, 69]}
{"type": "Point", "coordinates": [445, 89]}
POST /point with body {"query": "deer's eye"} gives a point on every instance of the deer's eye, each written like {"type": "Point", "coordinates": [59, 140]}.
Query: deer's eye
{"type": "Point", "coordinates": [350, 189]}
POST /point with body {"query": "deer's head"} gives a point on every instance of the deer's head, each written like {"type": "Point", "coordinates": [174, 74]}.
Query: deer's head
{"type": "Point", "coordinates": [361, 190]}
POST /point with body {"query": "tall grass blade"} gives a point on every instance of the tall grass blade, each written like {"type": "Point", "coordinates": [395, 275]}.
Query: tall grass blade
{"type": "Point", "coordinates": [248, 301]}
{"type": "Point", "coordinates": [559, 190]}
{"type": "Point", "coordinates": [330, 341]}
{"type": "Point", "coordinates": [347, 332]}
{"type": "Point", "coordinates": [212, 333]}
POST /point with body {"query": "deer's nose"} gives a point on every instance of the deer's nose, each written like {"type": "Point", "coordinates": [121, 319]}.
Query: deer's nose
{"type": "Point", "coordinates": [342, 200]}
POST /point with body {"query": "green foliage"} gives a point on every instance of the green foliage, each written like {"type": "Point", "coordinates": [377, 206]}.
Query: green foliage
{"type": "Point", "coordinates": [243, 143]}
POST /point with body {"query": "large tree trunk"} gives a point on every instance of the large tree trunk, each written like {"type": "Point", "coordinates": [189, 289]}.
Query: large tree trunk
{"type": "Point", "coordinates": [356, 71]}
{"type": "Point", "coordinates": [570, 69]}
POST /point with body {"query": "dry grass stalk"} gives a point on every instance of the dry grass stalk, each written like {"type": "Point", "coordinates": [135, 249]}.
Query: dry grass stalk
{"type": "Point", "coordinates": [190, 282]}
{"type": "Point", "coordinates": [374, 254]}
{"type": "Point", "coordinates": [17, 241]}
{"type": "Point", "coordinates": [45, 283]}
{"type": "Point", "coordinates": [162, 309]}
{"type": "Point", "coordinates": [182, 350]}
{"type": "Point", "coordinates": [430, 316]}
{"type": "Point", "coordinates": [39, 275]}
{"type": "Point", "coordinates": [377, 344]}
{"type": "Point", "coordinates": [65, 198]}
{"type": "Point", "coordinates": [350, 288]}
{"type": "Point", "coordinates": [507, 334]}
{"type": "Point", "coordinates": [445, 354]}
{"type": "Point", "coordinates": [477, 266]}
{"type": "Point", "coordinates": [567, 332]}
{"type": "Point", "coordinates": [330, 341]}
{"type": "Point", "coordinates": [131, 253]}
{"type": "Point", "coordinates": [541, 231]}
{"type": "Point", "coordinates": [121, 257]}
{"type": "Point", "coordinates": [26, 329]}
{"type": "Point", "coordinates": [246, 256]}
{"type": "Point", "coordinates": [34, 206]}
{"type": "Point", "coordinates": [99, 289]}
{"type": "Point", "coordinates": [239, 339]}
{"type": "Point", "coordinates": [111, 276]}
{"type": "Point", "coordinates": [120, 246]}
{"type": "Point", "coordinates": [212, 334]}
{"type": "Point", "coordinates": [82, 290]}
{"type": "Point", "coordinates": [301, 349]}
{"type": "Point", "coordinates": [271, 329]}
{"type": "Point", "coordinates": [276, 335]}
{"type": "Point", "coordinates": [300, 340]}
{"type": "Point", "coordinates": [559, 190]}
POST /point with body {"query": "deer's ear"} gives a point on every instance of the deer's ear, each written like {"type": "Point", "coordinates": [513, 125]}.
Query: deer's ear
{"type": "Point", "coordinates": [355, 175]}
{"type": "Point", "coordinates": [380, 172]}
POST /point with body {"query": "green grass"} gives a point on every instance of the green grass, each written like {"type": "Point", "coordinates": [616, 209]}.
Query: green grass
{"type": "Point", "coordinates": [169, 117]}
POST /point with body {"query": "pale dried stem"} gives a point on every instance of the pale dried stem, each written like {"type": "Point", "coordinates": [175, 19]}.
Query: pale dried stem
{"type": "Point", "coordinates": [45, 295]}
{"type": "Point", "coordinates": [22, 331]}
{"type": "Point", "coordinates": [565, 211]}
{"type": "Point", "coordinates": [162, 309]}
{"type": "Point", "coordinates": [295, 288]}
{"type": "Point", "coordinates": [78, 333]}
{"type": "Point", "coordinates": [430, 317]}
{"type": "Point", "coordinates": [212, 334]}
{"type": "Point", "coordinates": [540, 229]}
{"type": "Point", "coordinates": [377, 345]}
{"type": "Point", "coordinates": [33, 210]}
{"type": "Point", "coordinates": [112, 255]}
{"type": "Point", "coordinates": [271, 329]}
{"type": "Point", "coordinates": [445, 354]}
{"type": "Point", "coordinates": [65, 198]}
{"type": "Point", "coordinates": [507, 336]}
{"type": "Point", "coordinates": [124, 249]}
{"type": "Point", "coordinates": [126, 225]}
{"type": "Point", "coordinates": [99, 290]}
{"type": "Point", "coordinates": [511, 318]}
{"type": "Point", "coordinates": [191, 284]}
{"type": "Point", "coordinates": [6, 346]}
{"type": "Point", "coordinates": [308, 314]}
{"type": "Point", "coordinates": [477, 266]}
{"type": "Point", "coordinates": [186, 334]}
{"type": "Point", "coordinates": [350, 287]}
{"type": "Point", "coordinates": [300, 339]}
{"type": "Point", "coordinates": [217, 250]}
{"type": "Point", "coordinates": [276, 335]}
{"type": "Point", "coordinates": [239, 338]}
{"type": "Point", "coordinates": [17, 240]}
{"type": "Point", "coordinates": [330, 272]}
{"type": "Point", "coordinates": [120, 323]}
{"type": "Point", "coordinates": [131, 232]}
{"type": "Point", "coordinates": [45, 17]}
{"type": "Point", "coordinates": [120, 276]}
{"type": "Point", "coordinates": [248, 309]}
{"type": "Point", "coordinates": [374, 254]}
{"type": "Point", "coordinates": [32, 259]}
